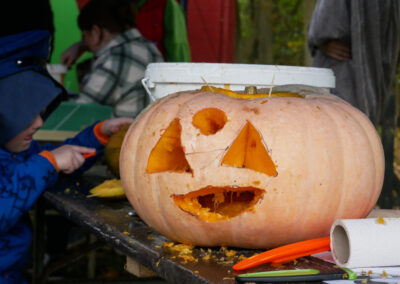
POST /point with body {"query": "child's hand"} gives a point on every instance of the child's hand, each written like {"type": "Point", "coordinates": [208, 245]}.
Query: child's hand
{"type": "Point", "coordinates": [111, 126]}
{"type": "Point", "coordinates": [69, 157]}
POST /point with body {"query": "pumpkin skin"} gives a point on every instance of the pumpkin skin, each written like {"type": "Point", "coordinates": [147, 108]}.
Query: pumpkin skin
{"type": "Point", "coordinates": [327, 155]}
{"type": "Point", "coordinates": [113, 149]}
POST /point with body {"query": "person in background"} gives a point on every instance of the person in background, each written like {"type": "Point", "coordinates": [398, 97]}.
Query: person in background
{"type": "Point", "coordinates": [360, 41]}
{"type": "Point", "coordinates": [121, 55]}
{"type": "Point", "coordinates": [28, 95]}
{"type": "Point", "coordinates": [163, 22]}
{"type": "Point", "coordinates": [82, 68]}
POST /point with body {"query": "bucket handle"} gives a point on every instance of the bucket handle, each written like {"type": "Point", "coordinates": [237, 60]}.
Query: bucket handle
{"type": "Point", "coordinates": [145, 82]}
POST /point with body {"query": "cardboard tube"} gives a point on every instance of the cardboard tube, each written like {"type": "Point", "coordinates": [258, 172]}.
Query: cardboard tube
{"type": "Point", "coordinates": [366, 242]}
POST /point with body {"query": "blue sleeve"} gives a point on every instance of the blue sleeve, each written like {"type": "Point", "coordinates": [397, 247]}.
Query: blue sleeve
{"type": "Point", "coordinates": [85, 138]}
{"type": "Point", "coordinates": [21, 183]}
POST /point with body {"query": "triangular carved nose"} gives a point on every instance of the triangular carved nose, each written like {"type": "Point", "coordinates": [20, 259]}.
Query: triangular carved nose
{"type": "Point", "coordinates": [248, 151]}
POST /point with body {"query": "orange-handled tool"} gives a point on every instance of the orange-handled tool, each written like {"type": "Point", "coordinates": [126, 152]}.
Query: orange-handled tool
{"type": "Point", "coordinates": [285, 253]}
{"type": "Point", "coordinates": [305, 253]}
{"type": "Point", "coordinates": [88, 155]}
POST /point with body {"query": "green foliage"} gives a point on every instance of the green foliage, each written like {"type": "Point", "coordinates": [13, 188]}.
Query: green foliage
{"type": "Point", "coordinates": [286, 37]}
{"type": "Point", "coordinates": [245, 16]}
{"type": "Point", "coordinates": [287, 27]}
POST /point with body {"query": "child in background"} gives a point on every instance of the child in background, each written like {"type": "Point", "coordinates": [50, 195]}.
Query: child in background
{"type": "Point", "coordinates": [121, 55]}
{"type": "Point", "coordinates": [28, 95]}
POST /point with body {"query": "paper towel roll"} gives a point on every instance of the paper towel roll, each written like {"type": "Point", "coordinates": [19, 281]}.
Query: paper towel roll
{"type": "Point", "coordinates": [366, 242]}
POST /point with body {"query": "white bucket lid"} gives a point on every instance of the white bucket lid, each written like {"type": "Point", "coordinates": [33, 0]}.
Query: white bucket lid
{"type": "Point", "coordinates": [242, 74]}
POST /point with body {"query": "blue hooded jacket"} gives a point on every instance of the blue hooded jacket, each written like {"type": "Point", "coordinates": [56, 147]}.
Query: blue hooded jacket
{"type": "Point", "coordinates": [26, 90]}
{"type": "Point", "coordinates": [23, 177]}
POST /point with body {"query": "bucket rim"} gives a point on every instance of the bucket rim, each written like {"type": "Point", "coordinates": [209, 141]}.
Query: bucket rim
{"type": "Point", "coordinates": [239, 74]}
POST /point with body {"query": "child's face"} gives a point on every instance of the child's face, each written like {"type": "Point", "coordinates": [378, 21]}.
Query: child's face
{"type": "Point", "coordinates": [23, 140]}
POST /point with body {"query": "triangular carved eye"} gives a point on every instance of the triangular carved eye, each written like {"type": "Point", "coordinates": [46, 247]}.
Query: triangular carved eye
{"type": "Point", "coordinates": [168, 154]}
{"type": "Point", "coordinates": [248, 151]}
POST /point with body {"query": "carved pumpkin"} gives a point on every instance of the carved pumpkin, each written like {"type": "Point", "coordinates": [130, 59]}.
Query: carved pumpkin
{"type": "Point", "coordinates": [215, 169]}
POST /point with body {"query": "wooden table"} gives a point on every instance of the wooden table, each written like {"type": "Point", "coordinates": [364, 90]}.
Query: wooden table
{"type": "Point", "coordinates": [116, 223]}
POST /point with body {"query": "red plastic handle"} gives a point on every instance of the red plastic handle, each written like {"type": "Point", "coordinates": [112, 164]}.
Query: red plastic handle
{"type": "Point", "coordinates": [88, 155]}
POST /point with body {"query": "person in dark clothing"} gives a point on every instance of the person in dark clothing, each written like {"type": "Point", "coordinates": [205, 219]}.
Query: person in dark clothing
{"type": "Point", "coordinates": [360, 41]}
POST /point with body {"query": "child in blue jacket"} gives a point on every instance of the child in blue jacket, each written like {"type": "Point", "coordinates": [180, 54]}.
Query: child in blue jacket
{"type": "Point", "coordinates": [28, 94]}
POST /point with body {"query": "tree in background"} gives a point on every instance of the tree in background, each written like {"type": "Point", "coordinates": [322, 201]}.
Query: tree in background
{"type": "Point", "coordinates": [271, 32]}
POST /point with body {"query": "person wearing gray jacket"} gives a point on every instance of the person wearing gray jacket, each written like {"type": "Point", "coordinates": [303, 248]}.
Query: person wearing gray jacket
{"type": "Point", "coordinates": [360, 41]}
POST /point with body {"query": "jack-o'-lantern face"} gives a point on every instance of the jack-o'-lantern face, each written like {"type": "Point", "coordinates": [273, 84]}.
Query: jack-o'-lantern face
{"type": "Point", "coordinates": [248, 151]}
{"type": "Point", "coordinates": [215, 168]}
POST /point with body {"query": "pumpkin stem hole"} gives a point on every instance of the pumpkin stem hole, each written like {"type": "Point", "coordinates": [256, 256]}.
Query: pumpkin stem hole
{"type": "Point", "coordinates": [248, 151]}
{"type": "Point", "coordinates": [213, 204]}
{"type": "Point", "coordinates": [168, 154]}
{"type": "Point", "coordinates": [209, 120]}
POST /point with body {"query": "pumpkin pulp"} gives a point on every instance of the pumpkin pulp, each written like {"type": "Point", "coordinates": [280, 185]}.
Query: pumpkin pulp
{"type": "Point", "coordinates": [213, 203]}
{"type": "Point", "coordinates": [234, 94]}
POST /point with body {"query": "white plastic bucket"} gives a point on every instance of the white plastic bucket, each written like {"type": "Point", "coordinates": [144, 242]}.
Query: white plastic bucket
{"type": "Point", "coordinates": [162, 79]}
{"type": "Point", "coordinates": [57, 71]}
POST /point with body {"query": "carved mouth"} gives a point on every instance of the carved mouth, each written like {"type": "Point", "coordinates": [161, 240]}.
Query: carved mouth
{"type": "Point", "coordinates": [214, 203]}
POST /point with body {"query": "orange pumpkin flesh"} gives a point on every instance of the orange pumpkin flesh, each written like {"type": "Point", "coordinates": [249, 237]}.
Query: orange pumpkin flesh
{"type": "Point", "coordinates": [209, 121]}
{"type": "Point", "coordinates": [168, 154]}
{"type": "Point", "coordinates": [224, 168]}
{"type": "Point", "coordinates": [234, 94]}
{"type": "Point", "coordinates": [213, 204]}
{"type": "Point", "coordinates": [248, 151]}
